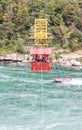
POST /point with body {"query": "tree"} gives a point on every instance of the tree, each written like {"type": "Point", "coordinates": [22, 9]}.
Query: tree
{"type": "Point", "coordinates": [70, 13]}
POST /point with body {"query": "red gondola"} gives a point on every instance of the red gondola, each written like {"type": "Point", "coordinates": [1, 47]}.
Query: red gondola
{"type": "Point", "coordinates": [40, 59]}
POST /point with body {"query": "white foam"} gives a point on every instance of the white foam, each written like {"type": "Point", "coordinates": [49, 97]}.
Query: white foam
{"type": "Point", "coordinates": [57, 124]}
{"type": "Point", "coordinates": [76, 81]}
{"type": "Point", "coordinates": [3, 76]}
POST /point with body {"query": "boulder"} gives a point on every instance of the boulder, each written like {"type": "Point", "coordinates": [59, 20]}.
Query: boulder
{"type": "Point", "coordinates": [75, 63]}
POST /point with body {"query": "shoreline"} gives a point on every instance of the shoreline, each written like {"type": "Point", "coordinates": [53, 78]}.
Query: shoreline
{"type": "Point", "coordinates": [66, 60]}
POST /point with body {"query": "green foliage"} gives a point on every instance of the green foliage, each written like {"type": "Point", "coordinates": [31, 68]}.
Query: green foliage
{"type": "Point", "coordinates": [80, 60]}
{"type": "Point", "coordinates": [18, 45]}
{"type": "Point", "coordinates": [17, 18]}
{"type": "Point", "coordinates": [75, 41]}
{"type": "Point", "coordinates": [65, 46]}
{"type": "Point", "coordinates": [57, 55]}
{"type": "Point", "coordinates": [70, 13]}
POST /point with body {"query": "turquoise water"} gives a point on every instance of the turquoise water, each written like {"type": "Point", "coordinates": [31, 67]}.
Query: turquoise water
{"type": "Point", "coordinates": [32, 101]}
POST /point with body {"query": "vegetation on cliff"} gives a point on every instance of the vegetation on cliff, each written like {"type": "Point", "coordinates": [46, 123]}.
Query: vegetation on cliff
{"type": "Point", "coordinates": [17, 20]}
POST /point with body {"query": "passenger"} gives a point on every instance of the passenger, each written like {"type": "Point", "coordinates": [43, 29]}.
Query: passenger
{"type": "Point", "coordinates": [46, 59]}
{"type": "Point", "coordinates": [40, 59]}
{"type": "Point", "coordinates": [33, 59]}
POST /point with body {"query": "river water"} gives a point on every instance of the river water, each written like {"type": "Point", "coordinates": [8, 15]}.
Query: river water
{"type": "Point", "coordinates": [32, 101]}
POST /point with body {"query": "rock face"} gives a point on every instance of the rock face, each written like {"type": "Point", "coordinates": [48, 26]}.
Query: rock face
{"type": "Point", "coordinates": [69, 60]}
{"type": "Point", "coordinates": [65, 60]}
{"type": "Point", "coordinates": [14, 57]}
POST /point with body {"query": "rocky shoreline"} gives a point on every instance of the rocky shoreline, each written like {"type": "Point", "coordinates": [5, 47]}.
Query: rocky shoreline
{"type": "Point", "coordinates": [15, 58]}
{"type": "Point", "coordinates": [67, 60]}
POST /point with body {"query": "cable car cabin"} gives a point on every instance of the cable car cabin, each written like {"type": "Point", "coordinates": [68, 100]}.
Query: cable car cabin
{"type": "Point", "coordinates": [40, 59]}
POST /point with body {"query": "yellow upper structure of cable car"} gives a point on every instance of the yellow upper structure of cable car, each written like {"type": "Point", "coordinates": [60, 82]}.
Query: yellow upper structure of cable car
{"type": "Point", "coordinates": [40, 29]}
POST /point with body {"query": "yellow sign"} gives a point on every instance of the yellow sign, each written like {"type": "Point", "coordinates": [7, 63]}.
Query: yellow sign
{"type": "Point", "coordinates": [40, 29]}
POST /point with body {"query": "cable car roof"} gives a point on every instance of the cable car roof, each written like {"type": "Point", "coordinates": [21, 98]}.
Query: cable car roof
{"type": "Point", "coordinates": [40, 51]}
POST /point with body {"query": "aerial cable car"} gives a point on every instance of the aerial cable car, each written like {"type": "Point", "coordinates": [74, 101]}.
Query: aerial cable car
{"type": "Point", "coordinates": [40, 52]}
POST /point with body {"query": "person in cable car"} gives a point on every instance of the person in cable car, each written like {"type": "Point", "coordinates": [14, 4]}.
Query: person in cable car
{"type": "Point", "coordinates": [34, 58]}
{"type": "Point", "coordinates": [47, 58]}
{"type": "Point", "coordinates": [40, 58]}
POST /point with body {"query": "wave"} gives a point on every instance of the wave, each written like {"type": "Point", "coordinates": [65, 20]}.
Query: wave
{"type": "Point", "coordinates": [58, 124]}
{"type": "Point", "coordinates": [75, 81]}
